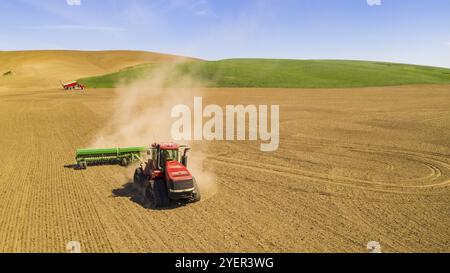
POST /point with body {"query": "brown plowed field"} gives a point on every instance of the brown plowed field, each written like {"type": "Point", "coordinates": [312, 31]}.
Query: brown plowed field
{"type": "Point", "coordinates": [354, 165]}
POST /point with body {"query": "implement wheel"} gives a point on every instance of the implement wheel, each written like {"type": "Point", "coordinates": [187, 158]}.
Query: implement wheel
{"type": "Point", "coordinates": [125, 162]}
{"type": "Point", "coordinates": [82, 165]}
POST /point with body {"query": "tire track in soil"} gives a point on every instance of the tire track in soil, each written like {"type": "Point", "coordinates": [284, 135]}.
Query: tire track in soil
{"type": "Point", "coordinates": [284, 208]}
{"type": "Point", "coordinates": [243, 164]}
{"type": "Point", "coordinates": [436, 172]}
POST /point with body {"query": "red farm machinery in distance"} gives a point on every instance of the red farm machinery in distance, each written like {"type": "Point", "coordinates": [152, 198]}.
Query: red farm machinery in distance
{"type": "Point", "coordinates": [73, 85]}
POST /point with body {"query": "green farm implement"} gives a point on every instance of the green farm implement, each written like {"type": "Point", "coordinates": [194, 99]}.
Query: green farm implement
{"type": "Point", "coordinates": [123, 156]}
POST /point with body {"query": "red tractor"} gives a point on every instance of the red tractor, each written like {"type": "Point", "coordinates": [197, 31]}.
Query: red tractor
{"type": "Point", "coordinates": [73, 85]}
{"type": "Point", "coordinates": [165, 176]}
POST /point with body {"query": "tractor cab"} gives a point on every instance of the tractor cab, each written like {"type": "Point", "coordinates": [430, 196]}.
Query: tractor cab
{"type": "Point", "coordinates": [168, 156]}
{"type": "Point", "coordinates": [160, 154]}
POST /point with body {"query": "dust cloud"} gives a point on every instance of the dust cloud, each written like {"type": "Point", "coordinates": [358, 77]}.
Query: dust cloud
{"type": "Point", "coordinates": [142, 117]}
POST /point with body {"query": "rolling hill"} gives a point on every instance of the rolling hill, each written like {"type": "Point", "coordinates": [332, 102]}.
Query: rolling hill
{"type": "Point", "coordinates": [279, 73]}
{"type": "Point", "coordinates": [47, 67]}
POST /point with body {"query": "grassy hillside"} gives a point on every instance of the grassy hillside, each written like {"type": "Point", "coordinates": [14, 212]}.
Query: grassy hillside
{"type": "Point", "coordinates": [285, 73]}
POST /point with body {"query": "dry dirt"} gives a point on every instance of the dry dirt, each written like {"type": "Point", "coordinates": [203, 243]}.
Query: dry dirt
{"type": "Point", "coordinates": [354, 165]}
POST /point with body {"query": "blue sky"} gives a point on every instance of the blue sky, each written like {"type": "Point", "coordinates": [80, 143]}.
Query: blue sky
{"type": "Point", "coordinates": [408, 31]}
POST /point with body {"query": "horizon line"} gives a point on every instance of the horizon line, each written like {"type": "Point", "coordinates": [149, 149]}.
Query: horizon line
{"type": "Point", "coordinates": [223, 59]}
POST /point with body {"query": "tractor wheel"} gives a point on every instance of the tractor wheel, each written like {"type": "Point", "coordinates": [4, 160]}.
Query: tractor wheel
{"type": "Point", "coordinates": [138, 178]}
{"type": "Point", "coordinates": [149, 196]}
{"type": "Point", "coordinates": [161, 189]}
{"type": "Point", "coordinates": [156, 194]}
{"type": "Point", "coordinates": [197, 196]}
